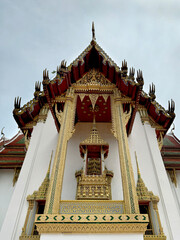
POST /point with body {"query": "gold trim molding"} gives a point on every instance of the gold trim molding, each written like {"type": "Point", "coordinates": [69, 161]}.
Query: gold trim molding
{"type": "Point", "coordinates": [91, 218]}
{"type": "Point", "coordinates": [37, 237]}
{"type": "Point", "coordinates": [91, 223]}
{"type": "Point", "coordinates": [150, 237]}
{"type": "Point", "coordinates": [92, 228]}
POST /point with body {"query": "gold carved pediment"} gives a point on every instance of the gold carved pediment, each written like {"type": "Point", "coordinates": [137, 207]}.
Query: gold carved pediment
{"type": "Point", "coordinates": [94, 79]}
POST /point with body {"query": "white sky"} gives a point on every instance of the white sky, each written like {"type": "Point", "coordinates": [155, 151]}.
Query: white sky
{"type": "Point", "coordinates": [38, 34]}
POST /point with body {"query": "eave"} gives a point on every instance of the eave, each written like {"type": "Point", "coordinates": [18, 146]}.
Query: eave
{"type": "Point", "coordinates": [12, 152]}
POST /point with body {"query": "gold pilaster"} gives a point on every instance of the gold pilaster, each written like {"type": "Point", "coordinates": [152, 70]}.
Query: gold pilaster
{"type": "Point", "coordinates": [30, 207]}
{"type": "Point", "coordinates": [65, 133]}
{"type": "Point", "coordinates": [119, 130]}
{"type": "Point", "coordinates": [158, 217]}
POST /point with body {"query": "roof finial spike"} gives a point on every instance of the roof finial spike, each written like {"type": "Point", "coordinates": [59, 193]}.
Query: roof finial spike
{"type": "Point", "coordinates": [138, 171]}
{"type": "Point", "coordinates": [48, 171]}
{"type": "Point", "coordinates": [50, 162]}
{"type": "Point", "coordinates": [93, 32]}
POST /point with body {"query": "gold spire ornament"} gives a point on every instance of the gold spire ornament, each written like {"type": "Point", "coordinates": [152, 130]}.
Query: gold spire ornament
{"type": "Point", "coordinates": [94, 138]}
{"type": "Point", "coordinates": [141, 189]}
{"type": "Point", "coordinates": [41, 193]}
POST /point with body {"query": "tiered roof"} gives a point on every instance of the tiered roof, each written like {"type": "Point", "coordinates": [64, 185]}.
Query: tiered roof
{"type": "Point", "coordinates": [93, 57]}
{"type": "Point", "coordinates": [171, 151]}
{"type": "Point", "coordinates": [12, 152]}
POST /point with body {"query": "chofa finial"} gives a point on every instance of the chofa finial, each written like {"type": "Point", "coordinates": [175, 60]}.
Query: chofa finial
{"type": "Point", "coordinates": [171, 108]}
{"type": "Point", "coordinates": [152, 91]}
{"type": "Point", "coordinates": [93, 32]}
{"type": "Point", "coordinates": [2, 134]}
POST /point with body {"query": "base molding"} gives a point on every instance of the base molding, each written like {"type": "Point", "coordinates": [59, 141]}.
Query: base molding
{"type": "Point", "coordinates": [91, 223]}
{"type": "Point", "coordinates": [92, 228]}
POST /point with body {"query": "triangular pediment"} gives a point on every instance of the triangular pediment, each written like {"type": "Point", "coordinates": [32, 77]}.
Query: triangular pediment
{"type": "Point", "coordinates": [93, 50]}
{"type": "Point", "coordinates": [94, 78]}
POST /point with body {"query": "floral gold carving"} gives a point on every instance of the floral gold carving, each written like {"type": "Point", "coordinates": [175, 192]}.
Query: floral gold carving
{"type": "Point", "coordinates": [59, 114]}
{"type": "Point", "coordinates": [26, 139]}
{"type": "Point", "coordinates": [91, 206]}
{"type": "Point", "coordinates": [127, 115]}
{"type": "Point", "coordinates": [16, 175]}
{"type": "Point", "coordinates": [93, 98]}
{"type": "Point", "coordinates": [172, 174]}
{"type": "Point", "coordinates": [99, 223]}
{"type": "Point", "coordinates": [160, 141]}
{"type": "Point", "coordinates": [43, 113]}
{"type": "Point", "coordinates": [92, 228]}
{"type": "Point", "coordinates": [94, 80]}
{"type": "Point", "coordinates": [93, 186]}
{"type": "Point", "coordinates": [82, 96]}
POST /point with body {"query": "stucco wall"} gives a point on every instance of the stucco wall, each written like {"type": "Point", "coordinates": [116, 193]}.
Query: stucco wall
{"type": "Point", "coordinates": [43, 141]}
{"type": "Point", "coordinates": [176, 189]}
{"type": "Point", "coordinates": [6, 191]}
{"type": "Point", "coordinates": [74, 161]}
{"type": "Point", "coordinates": [143, 140]}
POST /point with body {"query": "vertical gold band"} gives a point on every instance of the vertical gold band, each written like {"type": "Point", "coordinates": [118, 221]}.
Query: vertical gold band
{"type": "Point", "coordinates": [66, 130]}
{"type": "Point", "coordinates": [129, 189]}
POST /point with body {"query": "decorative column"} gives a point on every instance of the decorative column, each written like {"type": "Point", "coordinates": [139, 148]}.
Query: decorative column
{"type": "Point", "coordinates": [65, 133]}
{"type": "Point", "coordinates": [119, 131]}
{"type": "Point", "coordinates": [31, 205]}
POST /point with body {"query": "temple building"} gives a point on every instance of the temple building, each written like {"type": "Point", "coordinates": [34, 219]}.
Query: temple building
{"type": "Point", "coordinates": [93, 159]}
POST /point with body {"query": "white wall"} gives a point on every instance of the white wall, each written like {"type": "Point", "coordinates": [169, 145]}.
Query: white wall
{"type": "Point", "coordinates": [121, 236]}
{"type": "Point", "coordinates": [6, 191]}
{"type": "Point", "coordinates": [176, 189]}
{"type": "Point", "coordinates": [74, 162]}
{"type": "Point", "coordinates": [43, 141]}
{"type": "Point", "coordinates": [143, 141]}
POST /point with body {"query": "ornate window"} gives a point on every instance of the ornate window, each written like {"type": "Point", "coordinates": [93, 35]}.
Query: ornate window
{"type": "Point", "coordinates": [94, 180]}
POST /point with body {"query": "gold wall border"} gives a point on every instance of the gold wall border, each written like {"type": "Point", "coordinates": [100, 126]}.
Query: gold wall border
{"type": "Point", "coordinates": [67, 129]}
{"type": "Point", "coordinates": [151, 237]}
{"type": "Point", "coordinates": [119, 131]}
{"type": "Point", "coordinates": [91, 218]}
{"type": "Point", "coordinates": [37, 237]}
{"type": "Point", "coordinates": [91, 223]}
{"type": "Point", "coordinates": [92, 228]}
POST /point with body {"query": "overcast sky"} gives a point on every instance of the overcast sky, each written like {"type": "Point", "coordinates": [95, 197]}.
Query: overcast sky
{"type": "Point", "coordinates": [38, 34]}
